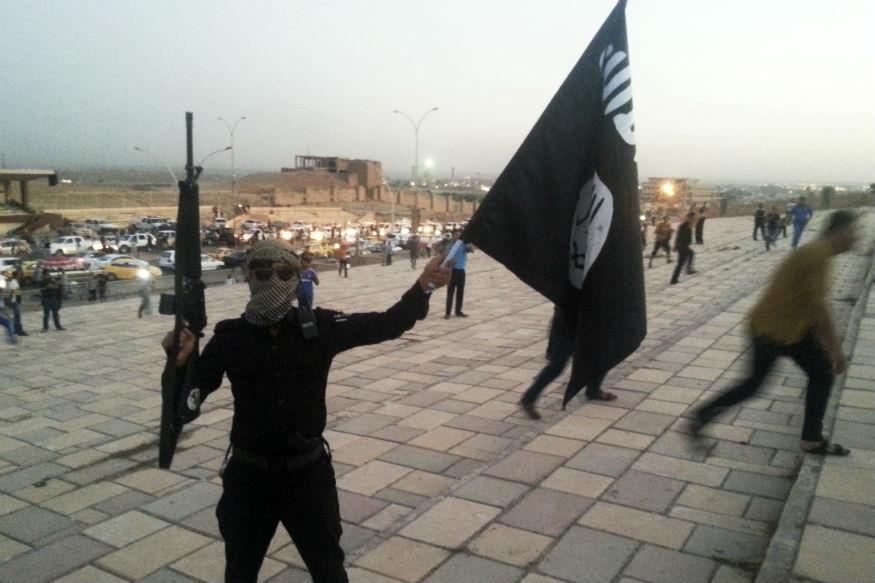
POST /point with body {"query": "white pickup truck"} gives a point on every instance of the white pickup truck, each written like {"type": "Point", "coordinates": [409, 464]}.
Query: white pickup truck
{"type": "Point", "coordinates": [128, 243]}
{"type": "Point", "coordinates": [71, 245]}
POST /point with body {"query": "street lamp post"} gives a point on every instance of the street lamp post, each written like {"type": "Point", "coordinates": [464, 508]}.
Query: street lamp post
{"type": "Point", "coordinates": [416, 125]}
{"type": "Point", "coordinates": [157, 157]}
{"type": "Point", "coordinates": [231, 129]}
{"type": "Point", "coordinates": [211, 154]}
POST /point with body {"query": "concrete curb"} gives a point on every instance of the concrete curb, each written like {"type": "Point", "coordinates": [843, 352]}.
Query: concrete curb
{"type": "Point", "coordinates": [783, 549]}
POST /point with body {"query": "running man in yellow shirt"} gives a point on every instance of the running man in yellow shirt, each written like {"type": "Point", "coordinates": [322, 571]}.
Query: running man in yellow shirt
{"type": "Point", "coordinates": [792, 319]}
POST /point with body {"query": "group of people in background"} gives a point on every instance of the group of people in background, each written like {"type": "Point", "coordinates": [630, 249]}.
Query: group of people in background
{"type": "Point", "coordinates": [770, 224]}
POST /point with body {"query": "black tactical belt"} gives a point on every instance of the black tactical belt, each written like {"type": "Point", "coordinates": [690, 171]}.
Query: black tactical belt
{"type": "Point", "coordinates": [274, 463]}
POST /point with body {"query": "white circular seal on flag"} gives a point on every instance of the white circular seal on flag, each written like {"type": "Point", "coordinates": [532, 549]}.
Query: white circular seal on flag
{"type": "Point", "coordinates": [194, 399]}
{"type": "Point", "coordinates": [592, 222]}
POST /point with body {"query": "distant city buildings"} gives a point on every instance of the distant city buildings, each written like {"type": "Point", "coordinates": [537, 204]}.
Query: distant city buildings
{"type": "Point", "coordinates": [672, 191]}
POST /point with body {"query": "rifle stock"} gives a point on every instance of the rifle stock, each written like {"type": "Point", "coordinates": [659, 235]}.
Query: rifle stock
{"type": "Point", "coordinates": [180, 398]}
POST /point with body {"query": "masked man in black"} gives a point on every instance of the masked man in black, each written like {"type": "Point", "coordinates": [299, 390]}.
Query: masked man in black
{"type": "Point", "coordinates": [280, 466]}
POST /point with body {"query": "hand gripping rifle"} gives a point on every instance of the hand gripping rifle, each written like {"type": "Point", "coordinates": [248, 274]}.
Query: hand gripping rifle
{"type": "Point", "coordinates": [180, 398]}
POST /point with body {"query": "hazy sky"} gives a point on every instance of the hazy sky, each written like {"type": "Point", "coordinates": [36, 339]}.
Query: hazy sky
{"type": "Point", "coordinates": [765, 90]}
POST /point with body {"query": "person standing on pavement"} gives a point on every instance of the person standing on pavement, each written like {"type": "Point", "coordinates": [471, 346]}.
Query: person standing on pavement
{"type": "Point", "coordinates": [145, 297]}
{"type": "Point", "coordinates": [342, 260]}
{"type": "Point", "coordinates": [793, 319]}
{"type": "Point", "coordinates": [14, 298]}
{"type": "Point", "coordinates": [413, 248]}
{"type": "Point", "coordinates": [309, 278]}
{"type": "Point", "coordinates": [50, 297]}
{"type": "Point", "coordinates": [5, 320]}
{"type": "Point", "coordinates": [662, 240]}
{"type": "Point", "coordinates": [682, 244]}
{"type": "Point", "coordinates": [773, 227]}
{"type": "Point", "coordinates": [800, 214]}
{"type": "Point", "coordinates": [457, 281]}
{"type": "Point", "coordinates": [280, 464]}
{"type": "Point", "coordinates": [101, 287]}
{"type": "Point", "coordinates": [560, 348]}
{"type": "Point", "coordinates": [759, 222]}
{"type": "Point", "coordinates": [700, 226]}
{"type": "Point", "coordinates": [389, 249]}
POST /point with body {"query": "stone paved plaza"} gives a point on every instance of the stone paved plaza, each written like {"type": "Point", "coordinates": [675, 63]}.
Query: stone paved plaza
{"type": "Point", "coordinates": [441, 478]}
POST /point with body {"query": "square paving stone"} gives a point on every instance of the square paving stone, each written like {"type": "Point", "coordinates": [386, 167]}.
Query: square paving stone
{"type": "Point", "coordinates": [185, 502]}
{"type": "Point", "coordinates": [765, 509]}
{"type": "Point", "coordinates": [546, 511]}
{"type": "Point", "coordinates": [528, 467]}
{"type": "Point", "coordinates": [491, 491]}
{"type": "Point", "coordinates": [357, 508]}
{"type": "Point", "coordinates": [644, 422]}
{"type": "Point", "coordinates": [167, 576]}
{"type": "Point", "coordinates": [843, 515]}
{"type": "Point", "coordinates": [51, 561]}
{"type": "Point", "coordinates": [89, 574]}
{"type": "Point", "coordinates": [204, 522]}
{"type": "Point", "coordinates": [758, 484]}
{"type": "Point", "coordinates": [658, 565]}
{"type": "Point", "coordinates": [637, 524]}
{"type": "Point", "coordinates": [463, 567]}
{"type": "Point", "coordinates": [33, 523]}
{"type": "Point", "coordinates": [292, 575]}
{"type": "Point", "coordinates": [450, 522]}
{"type": "Point", "coordinates": [834, 556]}
{"type": "Point", "coordinates": [726, 545]}
{"type": "Point", "coordinates": [588, 556]}
{"type": "Point", "coordinates": [125, 529]}
{"type": "Point", "coordinates": [18, 479]}
{"type": "Point", "coordinates": [419, 458]}
{"type": "Point", "coordinates": [644, 491]}
{"type": "Point", "coordinates": [603, 459]}
{"type": "Point", "coordinates": [510, 545]}
{"type": "Point", "coordinates": [153, 552]}
{"type": "Point", "coordinates": [403, 559]}
{"type": "Point", "coordinates": [124, 502]}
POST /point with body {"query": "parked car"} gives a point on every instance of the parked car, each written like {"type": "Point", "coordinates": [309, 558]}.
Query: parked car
{"type": "Point", "coordinates": [252, 235]}
{"type": "Point", "coordinates": [252, 224]}
{"type": "Point", "coordinates": [14, 247]}
{"type": "Point", "coordinates": [97, 261]}
{"type": "Point", "coordinates": [150, 223]}
{"type": "Point", "coordinates": [167, 262]}
{"type": "Point", "coordinates": [63, 263]}
{"type": "Point", "coordinates": [96, 224]}
{"type": "Point", "coordinates": [128, 243]}
{"type": "Point", "coordinates": [129, 268]}
{"type": "Point", "coordinates": [69, 245]}
{"type": "Point", "coordinates": [220, 222]}
{"type": "Point", "coordinates": [169, 235]}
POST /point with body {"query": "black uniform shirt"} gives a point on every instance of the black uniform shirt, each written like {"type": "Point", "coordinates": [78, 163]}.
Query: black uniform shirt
{"type": "Point", "coordinates": [684, 237]}
{"type": "Point", "coordinates": [279, 382]}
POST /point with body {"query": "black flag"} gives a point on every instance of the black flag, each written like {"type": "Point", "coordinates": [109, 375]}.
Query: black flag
{"type": "Point", "coordinates": [564, 214]}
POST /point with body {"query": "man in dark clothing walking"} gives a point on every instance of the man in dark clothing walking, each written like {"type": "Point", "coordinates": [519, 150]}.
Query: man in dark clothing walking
{"type": "Point", "coordinates": [662, 240]}
{"type": "Point", "coordinates": [682, 245]}
{"type": "Point", "coordinates": [50, 296]}
{"type": "Point", "coordinates": [560, 347]}
{"type": "Point", "coordinates": [280, 467]}
{"type": "Point", "coordinates": [759, 222]}
{"type": "Point", "coordinates": [700, 226]}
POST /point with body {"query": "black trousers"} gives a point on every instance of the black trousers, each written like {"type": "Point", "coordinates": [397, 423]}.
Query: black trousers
{"type": "Point", "coordinates": [810, 356]}
{"type": "Point", "coordinates": [457, 287]}
{"type": "Point", "coordinates": [761, 227]}
{"type": "Point", "coordinates": [255, 501]}
{"type": "Point", "coordinates": [658, 245]}
{"type": "Point", "coordinates": [343, 268]}
{"type": "Point", "coordinates": [51, 306]}
{"type": "Point", "coordinates": [685, 257]}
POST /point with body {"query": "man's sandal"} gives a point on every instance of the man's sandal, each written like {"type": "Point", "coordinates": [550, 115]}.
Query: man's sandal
{"type": "Point", "coordinates": [827, 448]}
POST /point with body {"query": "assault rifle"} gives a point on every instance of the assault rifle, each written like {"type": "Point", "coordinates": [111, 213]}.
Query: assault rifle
{"type": "Point", "coordinates": [180, 398]}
